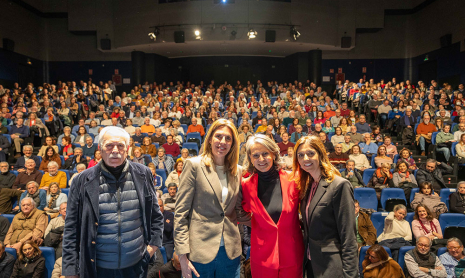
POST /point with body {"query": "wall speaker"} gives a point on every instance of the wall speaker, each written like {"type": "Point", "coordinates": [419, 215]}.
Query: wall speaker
{"type": "Point", "coordinates": [446, 40]}
{"type": "Point", "coordinates": [179, 36]}
{"type": "Point", "coordinates": [8, 44]}
{"type": "Point", "coordinates": [105, 44]}
{"type": "Point", "coordinates": [346, 42]}
{"type": "Point", "coordinates": [270, 36]}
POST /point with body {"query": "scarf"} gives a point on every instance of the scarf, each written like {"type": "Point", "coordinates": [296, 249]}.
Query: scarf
{"type": "Point", "coordinates": [380, 174]}
{"type": "Point", "coordinates": [35, 197]}
{"type": "Point", "coordinates": [424, 260]}
{"type": "Point", "coordinates": [53, 201]}
{"type": "Point", "coordinates": [433, 227]}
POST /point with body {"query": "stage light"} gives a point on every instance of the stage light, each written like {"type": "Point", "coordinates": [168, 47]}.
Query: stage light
{"type": "Point", "coordinates": [252, 34]}
{"type": "Point", "coordinates": [153, 35]}
{"type": "Point", "coordinates": [197, 32]}
{"type": "Point", "coordinates": [294, 33]}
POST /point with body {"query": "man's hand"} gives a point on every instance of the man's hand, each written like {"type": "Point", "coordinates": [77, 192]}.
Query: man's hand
{"type": "Point", "coordinates": [187, 267]}
{"type": "Point", "coordinates": [16, 246]}
{"type": "Point", "coordinates": [424, 269]}
{"type": "Point", "coordinates": [22, 170]}
{"type": "Point", "coordinates": [152, 249]}
{"type": "Point", "coordinates": [13, 136]}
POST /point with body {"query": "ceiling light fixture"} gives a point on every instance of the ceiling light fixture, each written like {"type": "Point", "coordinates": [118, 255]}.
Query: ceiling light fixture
{"type": "Point", "coordinates": [252, 34]}
{"type": "Point", "coordinates": [197, 34]}
{"type": "Point", "coordinates": [153, 35]}
{"type": "Point", "coordinates": [294, 33]}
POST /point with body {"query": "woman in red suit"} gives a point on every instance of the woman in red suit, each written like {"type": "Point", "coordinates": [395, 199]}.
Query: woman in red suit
{"type": "Point", "coordinates": [271, 201]}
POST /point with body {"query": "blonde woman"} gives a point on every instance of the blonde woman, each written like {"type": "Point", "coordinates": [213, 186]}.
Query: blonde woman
{"type": "Point", "coordinates": [205, 226]}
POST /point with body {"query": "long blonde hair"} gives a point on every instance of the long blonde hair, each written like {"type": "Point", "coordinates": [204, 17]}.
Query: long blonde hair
{"type": "Point", "coordinates": [232, 158]}
{"type": "Point", "coordinates": [301, 177]}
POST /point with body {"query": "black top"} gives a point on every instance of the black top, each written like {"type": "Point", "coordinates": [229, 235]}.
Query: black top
{"type": "Point", "coordinates": [457, 202]}
{"type": "Point", "coordinates": [32, 269]}
{"type": "Point", "coordinates": [269, 193]}
{"type": "Point", "coordinates": [168, 271]}
{"type": "Point", "coordinates": [115, 171]}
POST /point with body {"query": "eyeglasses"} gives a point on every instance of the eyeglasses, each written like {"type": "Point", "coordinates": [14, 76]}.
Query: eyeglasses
{"type": "Point", "coordinates": [423, 245]}
{"type": "Point", "coordinates": [454, 248]}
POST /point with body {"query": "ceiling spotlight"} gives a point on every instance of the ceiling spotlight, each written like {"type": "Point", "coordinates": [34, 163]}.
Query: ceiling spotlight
{"type": "Point", "coordinates": [153, 35]}
{"type": "Point", "coordinates": [294, 33]}
{"type": "Point", "coordinates": [252, 34]}
{"type": "Point", "coordinates": [197, 34]}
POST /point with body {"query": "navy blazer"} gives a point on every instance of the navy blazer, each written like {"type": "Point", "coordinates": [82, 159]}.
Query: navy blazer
{"type": "Point", "coordinates": [82, 217]}
{"type": "Point", "coordinates": [330, 233]}
{"type": "Point", "coordinates": [20, 162]}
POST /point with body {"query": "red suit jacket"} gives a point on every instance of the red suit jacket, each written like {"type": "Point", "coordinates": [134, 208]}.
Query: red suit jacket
{"type": "Point", "coordinates": [274, 246]}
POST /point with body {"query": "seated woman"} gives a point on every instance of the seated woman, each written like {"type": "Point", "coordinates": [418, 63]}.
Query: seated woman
{"type": "Point", "coordinates": [457, 199]}
{"type": "Point", "coordinates": [403, 178]}
{"type": "Point", "coordinates": [139, 157]}
{"type": "Point", "coordinates": [391, 150]}
{"type": "Point", "coordinates": [382, 159]}
{"type": "Point", "coordinates": [431, 200]}
{"type": "Point", "coordinates": [82, 136]}
{"type": "Point", "coordinates": [376, 135]}
{"type": "Point", "coordinates": [382, 178]}
{"type": "Point", "coordinates": [460, 149]}
{"type": "Point", "coordinates": [397, 232]}
{"type": "Point", "coordinates": [424, 224]}
{"type": "Point", "coordinates": [405, 155]}
{"type": "Point", "coordinates": [54, 199]}
{"type": "Point", "coordinates": [148, 148]}
{"type": "Point", "coordinates": [328, 127]}
{"type": "Point", "coordinates": [344, 124]}
{"type": "Point", "coordinates": [378, 264]}
{"type": "Point", "coordinates": [320, 119]}
{"type": "Point", "coordinates": [292, 127]}
{"type": "Point", "coordinates": [30, 262]}
{"type": "Point", "coordinates": [337, 138]}
{"type": "Point", "coordinates": [184, 155]}
{"type": "Point", "coordinates": [48, 143]}
{"type": "Point", "coordinates": [36, 127]}
{"type": "Point", "coordinates": [444, 140]}
{"type": "Point", "coordinates": [173, 177]}
{"type": "Point", "coordinates": [50, 155]}
{"type": "Point", "coordinates": [66, 147]}
{"type": "Point", "coordinates": [96, 159]}
{"type": "Point", "coordinates": [361, 161]}
{"type": "Point", "coordinates": [163, 161]}
{"type": "Point", "coordinates": [93, 129]}
{"type": "Point", "coordinates": [178, 139]}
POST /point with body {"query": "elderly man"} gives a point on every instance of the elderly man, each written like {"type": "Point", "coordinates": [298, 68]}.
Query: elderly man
{"type": "Point", "coordinates": [347, 144]}
{"type": "Point", "coordinates": [365, 232]}
{"type": "Point", "coordinates": [6, 178]}
{"type": "Point", "coordinates": [362, 125]}
{"type": "Point", "coordinates": [383, 111]}
{"type": "Point", "coordinates": [297, 134]}
{"type": "Point", "coordinates": [421, 262]}
{"type": "Point", "coordinates": [425, 129]}
{"type": "Point", "coordinates": [368, 148]}
{"type": "Point", "coordinates": [352, 174]}
{"type": "Point", "coordinates": [92, 118]}
{"type": "Point", "coordinates": [29, 224]}
{"type": "Point", "coordinates": [72, 162]}
{"type": "Point", "coordinates": [18, 133]}
{"type": "Point", "coordinates": [7, 262]}
{"type": "Point", "coordinates": [89, 149]}
{"type": "Point", "coordinates": [80, 123]}
{"type": "Point", "coordinates": [20, 163]}
{"type": "Point", "coordinates": [54, 231]}
{"type": "Point", "coordinates": [328, 145]}
{"type": "Point", "coordinates": [53, 175]}
{"type": "Point", "coordinates": [104, 199]}
{"type": "Point", "coordinates": [169, 199]}
{"type": "Point", "coordinates": [408, 120]}
{"type": "Point", "coordinates": [158, 137]}
{"type": "Point", "coordinates": [454, 259]}
{"type": "Point", "coordinates": [138, 120]}
{"type": "Point", "coordinates": [338, 158]}
{"type": "Point", "coordinates": [32, 191]}
{"type": "Point", "coordinates": [147, 127]}
{"type": "Point", "coordinates": [432, 172]}
{"type": "Point", "coordinates": [335, 120]}
{"type": "Point", "coordinates": [354, 136]}
{"type": "Point", "coordinates": [138, 137]}
{"type": "Point", "coordinates": [194, 127]}
{"type": "Point", "coordinates": [459, 132]}
{"type": "Point", "coordinates": [24, 177]}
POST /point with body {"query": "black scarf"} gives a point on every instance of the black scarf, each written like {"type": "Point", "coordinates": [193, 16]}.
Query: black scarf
{"type": "Point", "coordinates": [424, 260]}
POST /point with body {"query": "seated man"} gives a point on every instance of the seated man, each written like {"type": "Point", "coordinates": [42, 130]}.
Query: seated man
{"type": "Point", "coordinates": [29, 224]}
{"type": "Point", "coordinates": [347, 144]}
{"type": "Point", "coordinates": [194, 127]}
{"type": "Point", "coordinates": [54, 232]}
{"type": "Point", "coordinates": [20, 163]}
{"type": "Point", "coordinates": [285, 144]}
{"type": "Point", "coordinates": [89, 149]}
{"type": "Point", "coordinates": [171, 147]}
{"type": "Point", "coordinates": [79, 168]}
{"type": "Point", "coordinates": [147, 127]}
{"type": "Point", "coordinates": [432, 172]}
{"type": "Point", "coordinates": [354, 136]}
{"type": "Point", "coordinates": [7, 261]}
{"type": "Point", "coordinates": [362, 125]}
{"type": "Point", "coordinates": [80, 123]}
{"type": "Point", "coordinates": [158, 137]}
{"type": "Point", "coordinates": [170, 269]}
{"type": "Point", "coordinates": [39, 196]}
{"type": "Point", "coordinates": [168, 230]}
{"type": "Point", "coordinates": [53, 175]}
{"type": "Point", "coordinates": [368, 147]}
{"type": "Point", "coordinates": [169, 199]}
{"type": "Point", "coordinates": [297, 134]}
{"type": "Point", "coordinates": [7, 196]}
{"type": "Point", "coordinates": [454, 259]}
{"type": "Point", "coordinates": [352, 174]}
{"type": "Point", "coordinates": [7, 178]}
{"type": "Point", "coordinates": [138, 138]}
{"type": "Point", "coordinates": [424, 132]}
{"type": "Point", "coordinates": [72, 162]}
{"type": "Point", "coordinates": [421, 262]}
{"type": "Point", "coordinates": [4, 145]}
{"type": "Point", "coordinates": [31, 174]}
{"type": "Point", "coordinates": [18, 133]}
{"type": "Point", "coordinates": [338, 158]}
{"type": "Point", "coordinates": [383, 111]}
{"type": "Point", "coordinates": [328, 145]}
{"type": "Point", "coordinates": [366, 232]}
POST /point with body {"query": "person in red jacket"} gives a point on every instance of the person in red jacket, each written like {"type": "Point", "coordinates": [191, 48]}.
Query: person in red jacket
{"type": "Point", "coordinates": [272, 202]}
{"type": "Point", "coordinates": [424, 132]}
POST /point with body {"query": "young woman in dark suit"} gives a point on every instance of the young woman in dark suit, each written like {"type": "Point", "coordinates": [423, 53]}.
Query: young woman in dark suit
{"type": "Point", "coordinates": [328, 213]}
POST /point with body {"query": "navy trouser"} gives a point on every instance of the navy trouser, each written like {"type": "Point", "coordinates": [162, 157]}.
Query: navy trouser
{"type": "Point", "coordinates": [139, 270]}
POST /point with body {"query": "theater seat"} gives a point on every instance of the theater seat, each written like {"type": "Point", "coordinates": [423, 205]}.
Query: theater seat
{"type": "Point", "coordinates": [451, 219]}
{"type": "Point", "coordinates": [162, 174]}
{"type": "Point", "coordinates": [12, 251]}
{"type": "Point", "coordinates": [49, 254]}
{"type": "Point", "coordinates": [392, 194]}
{"type": "Point", "coordinates": [367, 174]}
{"type": "Point", "coordinates": [442, 250]}
{"type": "Point", "coordinates": [401, 258]}
{"type": "Point", "coordinates": [65, 190]}
{"type": "Point", "coordinates": [366, 197]}
{"type": "Point", "coordinates": [378, 221]}
{"type": "Point", "coordinates": [363, 252]}
{"type": "Point", "coordinates": [412, 193]}
{"type": "Point", "coordinates": [9, 217]}
{"type": "Point", "coordinates": [445, 193]}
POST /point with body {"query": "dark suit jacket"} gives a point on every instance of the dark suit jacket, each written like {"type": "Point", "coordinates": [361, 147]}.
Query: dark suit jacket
{"type": "Point", "coordinates": [79, 252]}
{"type": "Point", "coordinates": [4, 144]}
{"type": "Point", "coordinates": [412, 121]}
{"type": "Point", "coordinates": [329, 229]}
{"type": "Point", "coordinates": [20, 162]}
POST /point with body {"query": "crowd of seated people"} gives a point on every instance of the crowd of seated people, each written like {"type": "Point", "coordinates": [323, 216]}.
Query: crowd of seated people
{"type": "Point", "coordinates": [61, 123]}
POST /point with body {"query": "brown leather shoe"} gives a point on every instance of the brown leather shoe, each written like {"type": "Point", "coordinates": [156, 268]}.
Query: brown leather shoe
{"type": "Point", "coordinates": [18, 155]}
{"type": "Point", "coordinates": [423, 154]}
